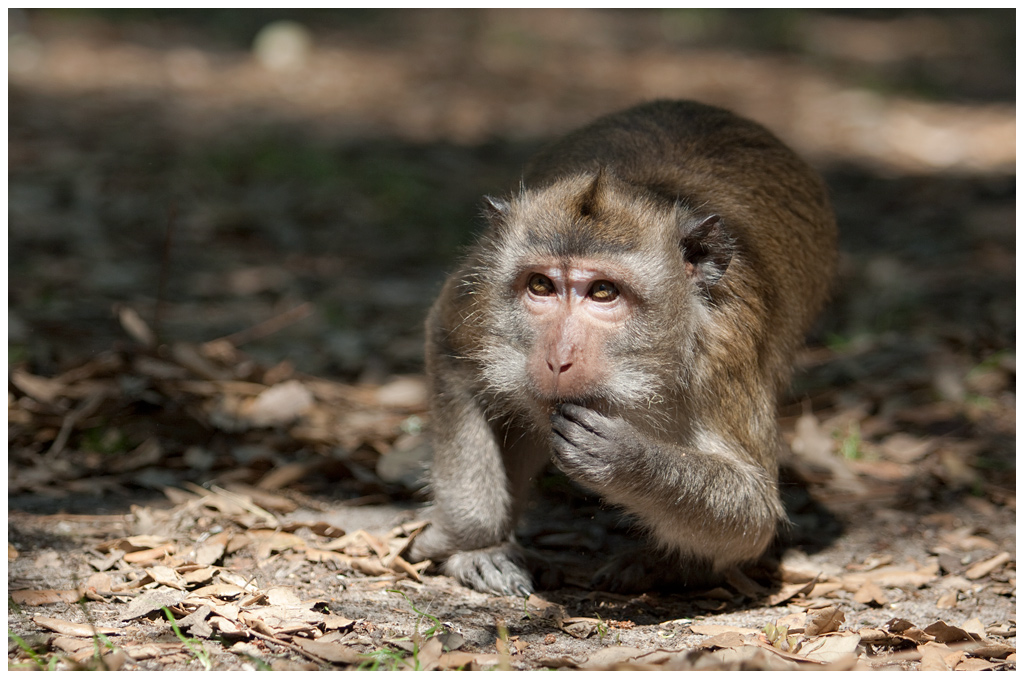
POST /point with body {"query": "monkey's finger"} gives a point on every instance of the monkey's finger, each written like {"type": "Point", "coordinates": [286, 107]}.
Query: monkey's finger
{"type": "Point", "coordinates": [567, 431]}
{"type": "Point", "coordinates": [585, 417]}
{"type": "Point", "coordinates": [592, 421]}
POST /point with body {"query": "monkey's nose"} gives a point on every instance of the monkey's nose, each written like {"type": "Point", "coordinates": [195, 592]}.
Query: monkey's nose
{"type": "Point", "coordinates": [559, 368]}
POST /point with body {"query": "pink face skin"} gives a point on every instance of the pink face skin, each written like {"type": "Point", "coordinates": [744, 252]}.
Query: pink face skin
{"type": "Point", "coordinates": [574, 309]}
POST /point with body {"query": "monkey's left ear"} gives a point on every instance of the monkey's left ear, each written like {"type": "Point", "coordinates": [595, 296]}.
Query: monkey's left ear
{"type": "Point", "coordinates": [708, 249]}
{"type": "Point", "coordinates": [495, 207]}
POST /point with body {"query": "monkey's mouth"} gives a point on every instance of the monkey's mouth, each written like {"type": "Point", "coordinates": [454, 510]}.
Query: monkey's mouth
{"type": "Point", "coordinates": [588, 402]}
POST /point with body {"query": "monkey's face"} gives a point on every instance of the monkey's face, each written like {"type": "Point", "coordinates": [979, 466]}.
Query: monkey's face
{"type": "Point", "coordinates": [588, 300]}
{"type": "Point", "coordinates": [576, 309]}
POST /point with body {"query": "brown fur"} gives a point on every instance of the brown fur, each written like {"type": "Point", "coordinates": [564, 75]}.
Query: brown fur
{"type": "Point", "coordinates": [722, 243]}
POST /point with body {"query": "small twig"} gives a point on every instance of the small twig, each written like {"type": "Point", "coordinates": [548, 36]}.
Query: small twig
{"type": "Point", "coordinates": [286, 644]}
{"type": "Point", "coordinates": [87, 408]}
{"type": "Point", "coordinates": [267, 327]}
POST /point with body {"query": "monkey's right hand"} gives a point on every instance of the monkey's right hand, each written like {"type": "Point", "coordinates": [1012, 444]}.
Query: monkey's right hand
{"type": "Point", "coordinates": [593, 448]}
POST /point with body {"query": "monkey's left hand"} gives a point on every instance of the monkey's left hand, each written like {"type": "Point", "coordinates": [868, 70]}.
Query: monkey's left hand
{"type": "Point", "coordinates": [593, 448]}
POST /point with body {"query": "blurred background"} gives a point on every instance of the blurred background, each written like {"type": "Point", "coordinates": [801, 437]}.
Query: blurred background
{"type": "Point", "coordinates": [298, 183]}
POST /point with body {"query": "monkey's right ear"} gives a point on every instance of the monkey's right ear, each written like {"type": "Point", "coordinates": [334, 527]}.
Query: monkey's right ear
{"type": "Point", "coordinates": [495, 207]}
{"type": "Point", "coordinates": [708, 249]}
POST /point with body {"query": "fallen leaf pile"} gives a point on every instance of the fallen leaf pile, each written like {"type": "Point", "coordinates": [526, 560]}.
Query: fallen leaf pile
{"type": "Point", "coordinates": [147, 415]}
{"type": "Point", "coordinates": [179, 564]}
{"type": "Point", "coordinates": [226, 568]}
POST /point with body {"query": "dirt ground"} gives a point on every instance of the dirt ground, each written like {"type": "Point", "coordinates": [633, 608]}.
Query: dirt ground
{"type": "Point", "coordinates": [225, 230]}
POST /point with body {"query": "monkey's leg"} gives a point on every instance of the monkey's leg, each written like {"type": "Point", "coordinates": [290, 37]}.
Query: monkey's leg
{"type": "Point", "coordinates": [476, 500]}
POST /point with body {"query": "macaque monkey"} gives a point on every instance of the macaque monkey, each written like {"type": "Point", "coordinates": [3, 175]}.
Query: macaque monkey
{"type": "Point", "coordinates": [631, 313]}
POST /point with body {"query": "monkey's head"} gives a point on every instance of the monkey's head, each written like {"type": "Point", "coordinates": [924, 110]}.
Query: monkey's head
{"type": "Point", "coordinates": [594, 291]}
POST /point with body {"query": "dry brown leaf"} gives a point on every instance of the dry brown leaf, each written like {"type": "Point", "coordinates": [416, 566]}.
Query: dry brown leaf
{"type": "Point", "coordinates": [41, 597]}
{"type": "Point", "coordinates": [893, 577]}
{"type": "Point", "coordinates": [227, 611]}
{"type": "Point", "coordinates": [82, 653]}
{"type": "Point", "coordinates": [198, 576]}
{"type": "Point", "coordinates": [947, 634]}
{"type": "Point", "coordinates": [195, 622]}
{"type": "Point", "coordinates": [747, 657]}
{"type": "Point", "coordinates": [221, 590]}
{"type": "Point", "coordinates": [906, 631]}
{"type": "Point", "coordinates": [226, 627]}
{"type": "Point", "coordinates": [337, 622]}
{"type": "Point", "coordinates": [333, 653]}
{"type": "Point", "coordinates": [281, 620]}
{"type": "Point", "coordinates": [975, 628]}
{"type": "Point", "coordinates": [542, 604]}
{"type": "Point", "coordinates": [459, 659]}
{"type": "Point", "coordinates": [149, 555]}
{"type": "Point", "coordinates": [408, 392]}
{"type": "Point", "coordinates": [787, 592]}
{"type": "Point", "coordinates": [188, 356]}
{"type": "Point", "coordinates": [608, 657]}
{"type": "Point", "coordinates": [831, 648]}
{"type": "Point", "coordinates": [40, 389]}
{"type": "Point", "coordinates": [980, 570]}
{"type": "Point", "coordinates": [744, 584]}
{"type": "Point", "coordinates": [321, 528]}
{"type": "Point", "coordinates": [712, 629]}
{"type": "Point", "coordinates": [166, 576]}
{"type": "Point", "coordinates": [283, 596]}
{"type": "Point", "coordinates": [233, 504]}
{"type": "Point", "coordinates": [581, 628]}
{"type": "Point", "coordinates": [152, 601]}
{"type": "Point", "coordinates": [724, 640]}
{"type": "Point", "coordinates": [99, 582]}
{"type": "Point", "coordinates": [212, 549]}
{"type": "Point", "coordinates": [153, 650]}
{"type": "Point", "coordinates": [236, 542]}
{"type": "Point", "coordinates": [994, 649]}
{"type": "Point", "coordinates": [136, 328]}
{"type": "Point", "coordinates": [813, 445]}
{"type": "Point", "coordinates": [429, 654]}
{"type": "Point", "coordinates": [553, 662]}
{"type": "Point", "coordinates": [870, 594]}
{"type": "Point", "coordinates": [824, 621]}
{"type": "Point", "coordinates": [74, 629]}
{"type": "Point", "coordinates": [762, 643]}
{"type": "Point", "coordinates": [794, 622]}
{"type": "Point", "coordinates": [134, 543]}
{"type": "Point", "coordinates": [268, 542]}
{"type": "Point", "coordinates": [278, 405]}
{"type": "Point", "coordinates": [263, 498]}
{"type": "Point", "coordinates": [287, 474]}
{"type": "Point", "coordinates": [905, 448]}
{"type": "Point", "coordinates": [822, 589]}
{"type": "Point", "coordinates": [933, 658]}
{"type": "Point", "coordinates": [403, 566]}
{"type": "Point", "coordinates": [965, 540]}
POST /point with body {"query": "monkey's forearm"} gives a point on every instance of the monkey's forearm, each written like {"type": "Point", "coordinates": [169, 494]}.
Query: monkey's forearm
{"type": "Point", "coordinates": [473, 504]}
{"type": "Point", "coordinates": [702, 499]}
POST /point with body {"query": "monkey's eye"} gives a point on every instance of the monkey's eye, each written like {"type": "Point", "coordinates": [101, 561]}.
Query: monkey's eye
{"type": "Point", "coordinates": [604, 291]}
{"type": "Point", "coordinates": [540, 285]}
